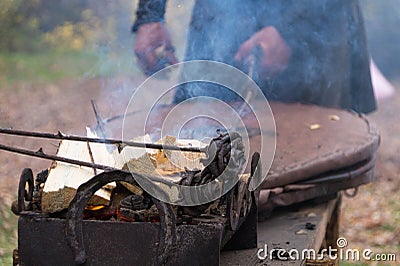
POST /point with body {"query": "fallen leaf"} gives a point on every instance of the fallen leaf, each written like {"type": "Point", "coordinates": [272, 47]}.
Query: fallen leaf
{"type": "Point", "coordinates": [301, 232]}
{"type": "Point", "coordinates": [334, 117]}
{"type": "Point", "coordinates": [315, 126]}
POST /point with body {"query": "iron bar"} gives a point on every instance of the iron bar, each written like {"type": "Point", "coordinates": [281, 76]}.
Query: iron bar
{"type": "Point", "coordinates": [116, 117]}
{"type": "Point", "coordinates": [119, 143]}
{"type": "Point", "coordinates": [100, 124]}
{"type": "Point", "coordinates": [41, 154]}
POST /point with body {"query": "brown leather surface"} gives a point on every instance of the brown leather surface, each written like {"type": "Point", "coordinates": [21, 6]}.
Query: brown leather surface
{"type": "Point", "coordinates": [303, 153]}
{"type": "Point", "coordinates": [269, 199]}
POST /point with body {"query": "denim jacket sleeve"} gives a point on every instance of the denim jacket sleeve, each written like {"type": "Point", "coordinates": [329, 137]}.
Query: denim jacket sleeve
{"type": "Point", "coordinates": [149, 11]}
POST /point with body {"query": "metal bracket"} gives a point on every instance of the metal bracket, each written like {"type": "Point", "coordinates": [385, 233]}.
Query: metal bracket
{"type": "Point", "coordinates": [24, 195]}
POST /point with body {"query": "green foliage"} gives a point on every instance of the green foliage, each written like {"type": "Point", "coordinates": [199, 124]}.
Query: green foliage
{"type": "Point", "coordinates": [76, 25]}
{"type": "Point", "coordinates": [51, 66]}
{"type": "Point", "coordinates": [55, 40]}
{"type": "Point", "coordinates": [8, 236]}
{"type": "Point", "coordinates": [43, 67]}
{"type": "Point", "coordinates": [19, 28]}
{"type": "Point", "coordinates": [74, 36]}
{"type": "Point", "coordinates": [37, 25]}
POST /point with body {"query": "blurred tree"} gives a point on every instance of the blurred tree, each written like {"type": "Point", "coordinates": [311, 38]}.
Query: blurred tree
{"type": "Point", "coordinates": [55, 13]}
{"type": "Point", "coordinates": [19, 29]}
{"type": "Point", "coordinates": [74, 36]}
{"type": "Point", "coordinates": [31, 25]}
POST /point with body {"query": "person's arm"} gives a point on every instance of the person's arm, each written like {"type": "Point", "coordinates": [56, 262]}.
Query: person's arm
{"type": "Point", "coordinates": [267, 50]}
{"type": "Point", "coordinates": [283, 29]}
{"type": "Point", "coordinates": [153, 47]}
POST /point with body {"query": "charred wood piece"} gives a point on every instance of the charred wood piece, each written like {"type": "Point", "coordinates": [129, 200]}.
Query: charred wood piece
{"type": "Point", "coordinates": [135, 202]}
{"type": "Point", "coordinates": [134, 208]}
{"type": "Point", "coordinates": [225, 152]}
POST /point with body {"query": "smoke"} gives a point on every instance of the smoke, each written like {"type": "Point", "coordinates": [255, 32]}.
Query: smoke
{"type": "Point", "coordinates": [117, 62]}
{"type": "Point", "coordinates": [328, 65]}
{"type": "Point", "coordinates": [381, 20]}
{"type": "Point", "coordinates": [329, 57]}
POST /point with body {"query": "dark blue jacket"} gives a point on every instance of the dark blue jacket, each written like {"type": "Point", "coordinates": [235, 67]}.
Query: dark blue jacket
{"type": "Point", "coordinates": [329, 65]}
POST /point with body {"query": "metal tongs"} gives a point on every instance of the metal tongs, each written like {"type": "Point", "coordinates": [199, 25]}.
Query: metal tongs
{"type": "Point", "coordinates": [61, 136]}
{"type": "Point", "coordinates": [251, 62]}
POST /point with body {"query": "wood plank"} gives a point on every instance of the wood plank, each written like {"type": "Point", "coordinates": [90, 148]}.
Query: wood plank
{"type": "Point", "coordinates": [64, 179]}
{"type": "Point", "coordinates": [286, 230]}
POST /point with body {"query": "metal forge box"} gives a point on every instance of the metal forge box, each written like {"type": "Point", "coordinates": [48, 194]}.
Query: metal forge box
{"type": "Point", "coordinates": [162, 234]}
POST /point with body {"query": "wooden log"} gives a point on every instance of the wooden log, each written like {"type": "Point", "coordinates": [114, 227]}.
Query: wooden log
{"type": "Point", "coordinates": [167, 164]}
{"type": "Point", "coordinates": [64, 179]}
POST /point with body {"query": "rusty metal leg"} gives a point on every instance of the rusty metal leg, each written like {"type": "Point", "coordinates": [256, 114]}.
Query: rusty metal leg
{"type": "Point", "coordinates": [246, 236]}
{"type": "Point", "coordinates": [168, 231]}
{"type": "Point", "coordinates": [332, 230]}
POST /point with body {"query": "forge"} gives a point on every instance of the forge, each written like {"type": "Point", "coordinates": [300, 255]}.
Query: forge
{"type": "Point", "coordinates": [320, 152]}
{"type": "Point", "coordinates": [88, 187]}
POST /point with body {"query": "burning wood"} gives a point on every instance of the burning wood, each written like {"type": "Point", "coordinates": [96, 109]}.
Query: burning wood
{"type": "Point", "coordinates": [64, 178]}
{"type": "Point", "coordinates": [80, 159]}
{"type": "Point", "coordinates": [74, 184]}
{"type": "Point", "coordinates": [167, 163]}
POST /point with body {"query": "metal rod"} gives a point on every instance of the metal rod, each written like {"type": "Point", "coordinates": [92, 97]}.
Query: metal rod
{"type": "Point", "coordinates": [41, 154]}
{"type": "Point", "coordinates": [91, 157]}
{"type": "Point", "coordinates": [252, 62]}
{"type": "Point", "coordinates": [100, 124]}
{"type": "Point", "coordinates": [108, 120]}
{"type": "Point", "coordinates": [118, 142]}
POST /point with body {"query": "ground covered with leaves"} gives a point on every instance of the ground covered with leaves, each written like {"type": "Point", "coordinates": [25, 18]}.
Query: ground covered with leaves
{"type": "Point", "coordinates": [372, 219]}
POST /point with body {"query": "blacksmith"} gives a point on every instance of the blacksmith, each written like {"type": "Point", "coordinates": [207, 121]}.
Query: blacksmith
{"type": "Point", "coordinates": [310, 51]}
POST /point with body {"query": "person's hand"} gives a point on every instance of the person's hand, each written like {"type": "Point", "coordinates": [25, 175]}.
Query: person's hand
{"type": "Point", "coordinates": [153, 47]}
{"type": "Point", "coordinates": [269, 51]}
